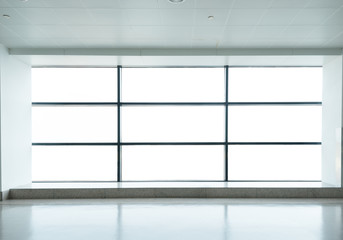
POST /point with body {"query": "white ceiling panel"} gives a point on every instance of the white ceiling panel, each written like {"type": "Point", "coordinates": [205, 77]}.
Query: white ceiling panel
{"type": "Point", "coordinates": [204, 43]}
{"type": "Point", "coordinates": [279, 16]}
{"type": "Point", "coordinates": [208, 32]}
{"type": "Point", "coordinates": [161, 24]}
{"type": "Point", "coordinates": [63, 3]}
{"type": "Point", "coordinates": [40, 16]}
{"type": "Point", "coordinates": [311, 43]}
{"type": "Point", "coordinates": [139, 17]}
{"type": "Point", "coordinates": [56, 31]}
{"type": "Point", "coordinates": [15, 42]}
{"type": "Point", "coordinates": [4, 3]}
{"type": "Point", "coordinates": [7, 33]}
{"type": "Point", "coordinates": [163, 32]}
{"type": "Point", "coordinates": [249, 4]}
{"type": "Point", "coordinates": [298, 32]}
{"type": "Point", "coordinates": [30, 31]}
{"type": "Point", "coordinates": [214, 4]}
{"type": "Point", "coordinates": [27, 4]}
{"type": "Point", "coordinates": [39, 42]}
{"type": "Point", "coordinates": [73, 16]}
{"type": "Point", "coordinates": [335, 41]}
{"type": "Point", "coordinates": [220, 17]}
{"type": "Point", "coordinates": [284, 43]}
{"type": "Point", "coordinates": [326, 33]}
{"type": "Point", "coordinates": [15, 17]}
{"type": "Point", "coordinates": [138, 4]}
{"type": "Point", "coordinates": [259, 42]}
{"type": "Point", "coordinates": [289, 3]}
{"type": "Point", "coordinates": [325, 4]}
{"type": "Point", "coordinates": [265, 32]}
{"type": "Point", "coordinates": [116, 17]}
{"type": "Point", "coordinates": [93, 42]}
{"type": "Point", "coordinates": [336, 18]}
{"type": "Point", "coordinates": [70, 42]}
{"type": "Point", "coordinates": [167, 4]}
{"type": "Point", "coordinates": [245, 16]}
{"type": "Point", "coordinates": [105, 4]}
{"type": "Point", "coordinates": [312, 16]}
{"type": "Point", "coordinates": [177, 17]}
{"type": "Point", "coordinates": [235, 32]}
{"type": "Point", "coordinates": [102, 32]}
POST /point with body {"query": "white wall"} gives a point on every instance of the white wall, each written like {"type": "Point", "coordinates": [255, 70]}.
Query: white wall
{"type": "Point", "coordinates": [332, 122]}
{"type": "Point", "coordinates": [15, 117]}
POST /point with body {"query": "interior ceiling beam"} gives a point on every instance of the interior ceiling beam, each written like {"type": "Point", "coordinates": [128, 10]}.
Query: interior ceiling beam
{"type": "Point", "coordinates": [177, 52]}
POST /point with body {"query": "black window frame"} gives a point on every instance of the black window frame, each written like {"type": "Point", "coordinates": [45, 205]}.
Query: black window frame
{"type": "Point", "coordinates": [226, 103]}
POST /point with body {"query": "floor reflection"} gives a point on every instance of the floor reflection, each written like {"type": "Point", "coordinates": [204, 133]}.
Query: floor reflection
{"type": "Point", "coordinates": [172, 219]}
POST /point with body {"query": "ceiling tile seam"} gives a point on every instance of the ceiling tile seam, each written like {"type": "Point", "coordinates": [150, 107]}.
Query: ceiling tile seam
{"type": "Point", "coordinates": [15, 33]}
{"type": "Point", "coordinates": [337, 10]}
{"type": "Point", "coordinates": [194, 23]}
{"type": "Point", "coordinates": [332, 39]}
{"type": "Point", "coordinates": [259, 21]}
{"type": "Point", "coordinates": [221, 35]}
{"type": "Point", "coordinates": [68, 26]}
{"type": "Point", "coordinates": [322, 25]}
{"type": "Point", "coordinates": [290, 24]}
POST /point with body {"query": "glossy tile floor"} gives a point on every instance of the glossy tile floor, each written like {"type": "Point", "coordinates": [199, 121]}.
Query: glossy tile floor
{"type": "Point", "coordinates": [164, 219]}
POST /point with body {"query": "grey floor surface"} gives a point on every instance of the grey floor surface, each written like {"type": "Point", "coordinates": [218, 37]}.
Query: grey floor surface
{"type": "Point", "coordinates": [179, 219]}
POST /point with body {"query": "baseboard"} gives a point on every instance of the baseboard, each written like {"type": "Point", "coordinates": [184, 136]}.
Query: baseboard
{"type": "Point", "coordinates": [79, 193]}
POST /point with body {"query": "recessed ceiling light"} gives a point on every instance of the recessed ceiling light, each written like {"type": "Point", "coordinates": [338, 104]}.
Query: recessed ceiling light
{"type": "Point", "coordinates": [24, 0]}
{"type": "Point", "coordinates": [6, 16]}
{"type": "Point", "coordinates": [210, 18]}
{"type": "Point", "coordinates": [176, 1]}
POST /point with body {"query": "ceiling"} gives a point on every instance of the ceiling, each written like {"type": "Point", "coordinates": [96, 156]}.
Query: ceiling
{"type": "Point", "coordinates": [161, 24]}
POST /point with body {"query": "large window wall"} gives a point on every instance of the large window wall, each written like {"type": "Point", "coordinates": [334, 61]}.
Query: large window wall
{"type": "Point", "coordinates": [177, 124]}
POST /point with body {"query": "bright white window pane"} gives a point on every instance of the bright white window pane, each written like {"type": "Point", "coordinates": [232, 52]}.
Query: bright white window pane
{"type": "Point", "coordinates": [274, 123]}
{"type": "Point", "coordinates": [173, 124]}
{"type": "Point", "coordinates": [74, 85]}
{"type": "Point", "coordinates": [274, 162]}
{"type": "Point", "coordinates": [298, 84]}
{"type": "Point", "coordinates": [74, 124]}
{"type": "Point", "coordinates": [173, 85]}
{"type": "Point", "coordinates": [173, 162]}
{"type": "Point", "coordinates": [74, 163]}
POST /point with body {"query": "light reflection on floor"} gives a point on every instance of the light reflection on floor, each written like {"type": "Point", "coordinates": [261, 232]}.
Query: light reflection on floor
{"type": "Point", "coordinates": [179, 219]}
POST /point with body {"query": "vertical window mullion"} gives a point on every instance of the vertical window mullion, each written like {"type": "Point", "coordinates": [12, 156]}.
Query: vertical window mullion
{"type": "Point", "coordinates": [119, 163]}
{"type": "Point", "coordinates": [226, 121]}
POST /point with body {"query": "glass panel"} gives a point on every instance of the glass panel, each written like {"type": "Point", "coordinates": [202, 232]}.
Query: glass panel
{"type": "Point", "coordinates": [74, 163]}
{"type": "Point", "coordinates": [74, 124]}
{"type": "Point", "coordinates": [274, 123]}
{"type": "Point", "coordinates": [274, 162]}
{"type": "Point", "coordinates": [173, 162]}
{"type": "Point", "coordinates": [299, 84]}
{"type": "Point", "coordinates": [74, 85]}
{"type": "Point", "coordinates": [173, 124]}
{"type": "Point", "coordinates": [173, 85]}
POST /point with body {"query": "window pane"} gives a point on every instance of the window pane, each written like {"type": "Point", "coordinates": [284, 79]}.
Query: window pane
{"type": "Point", "coordinates": [274, 123]}
{"type": "Point", "coordinates": [173, 124]}
{"type": "Point", "coordinates": [74, 163]}
{"type": "Point", "coordinates": [173, 163]}
{"type": "Point", "coordinates": [74, 84]}
{"type": "Point", "coordinates": [275, 84]}
{"type": "Point", "coordinates": [74, 124]}
{"type": "Point", "coordinates": [274, 162]}
{"type": "Point", "coordinates": [173, 84]}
